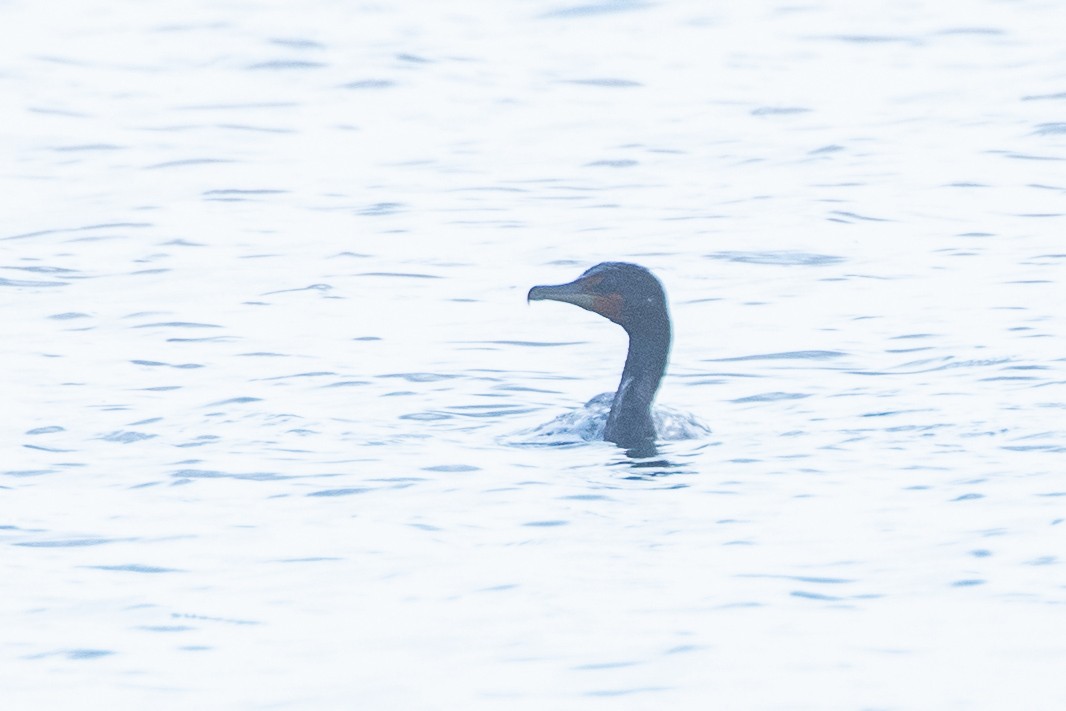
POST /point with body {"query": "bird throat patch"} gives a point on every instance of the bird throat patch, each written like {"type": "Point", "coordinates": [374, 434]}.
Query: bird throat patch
{"type": "Point", "coordinates": [609, 306]}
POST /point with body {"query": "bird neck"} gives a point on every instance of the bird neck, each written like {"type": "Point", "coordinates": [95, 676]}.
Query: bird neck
{"type": "Point", "coordinates": [630, 421]}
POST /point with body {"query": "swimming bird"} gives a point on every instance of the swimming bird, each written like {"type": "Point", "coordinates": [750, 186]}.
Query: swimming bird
{"type": "Point", "coordinates": [631, 296]}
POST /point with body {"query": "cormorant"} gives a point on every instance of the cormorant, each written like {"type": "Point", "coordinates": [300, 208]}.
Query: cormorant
{"type": "Point", "coordinates": [632, 297]}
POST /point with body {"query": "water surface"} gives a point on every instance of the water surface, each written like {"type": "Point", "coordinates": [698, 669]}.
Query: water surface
{"type": "Point", "coordinates": [263, 277]}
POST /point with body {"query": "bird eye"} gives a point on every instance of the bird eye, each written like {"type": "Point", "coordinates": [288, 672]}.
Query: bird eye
{"type": "Point", "coordinates": [595, 284]}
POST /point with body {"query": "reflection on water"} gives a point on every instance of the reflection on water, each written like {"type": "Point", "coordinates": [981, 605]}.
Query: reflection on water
{"type": "Point", "coordinates": [271, 372]}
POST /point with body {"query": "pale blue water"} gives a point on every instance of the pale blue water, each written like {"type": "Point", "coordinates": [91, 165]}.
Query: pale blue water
{"type": "Point", "coordinates": [268, 361]}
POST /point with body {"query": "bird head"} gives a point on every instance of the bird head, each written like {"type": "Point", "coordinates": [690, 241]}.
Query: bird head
{"type": "Point", "coordinates": [625, 293]}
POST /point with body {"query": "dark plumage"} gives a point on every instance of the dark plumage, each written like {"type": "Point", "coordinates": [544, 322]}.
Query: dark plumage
{"type": "Point", "coordinates": [632, 297]}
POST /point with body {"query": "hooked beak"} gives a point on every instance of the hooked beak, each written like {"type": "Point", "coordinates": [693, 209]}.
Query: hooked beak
{"type": "Point", "coordinates": [577, 293]}
{"type": "Point", "coordinates": [572, 293]}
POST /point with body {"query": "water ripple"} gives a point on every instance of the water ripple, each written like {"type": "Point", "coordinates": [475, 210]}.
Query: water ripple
{"type": "Point", "coordinates": [782, 258]}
